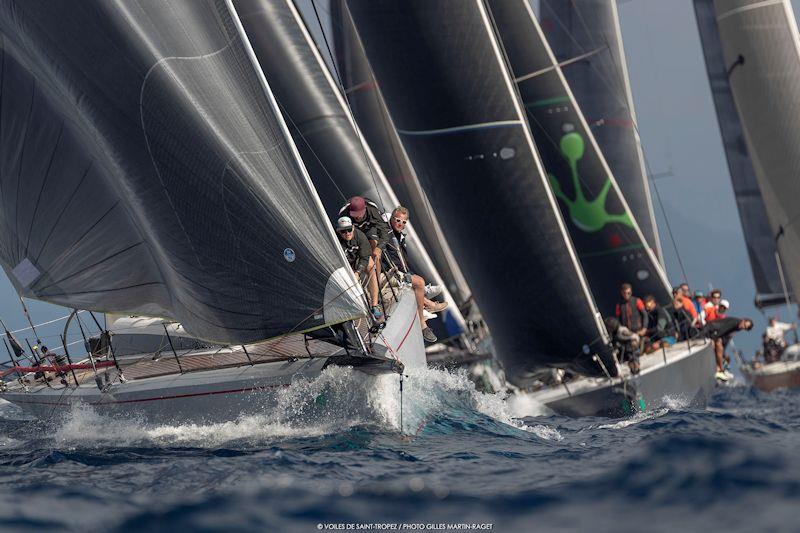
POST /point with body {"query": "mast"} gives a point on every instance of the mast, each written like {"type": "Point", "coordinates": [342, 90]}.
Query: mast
{"type": "Point", "coordinates": [609, 243]}
{"type": "Point", "coordinates": [456, 111]}
{"type": "Point", "coordinates": [759, 236]}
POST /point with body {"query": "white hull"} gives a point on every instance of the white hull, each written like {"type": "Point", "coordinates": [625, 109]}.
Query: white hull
{"type": "Point", "coordinates": [219, 394]}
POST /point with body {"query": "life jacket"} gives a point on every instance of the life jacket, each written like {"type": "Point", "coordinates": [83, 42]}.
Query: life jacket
{"type": "Point", "coordinates": [630, 313]}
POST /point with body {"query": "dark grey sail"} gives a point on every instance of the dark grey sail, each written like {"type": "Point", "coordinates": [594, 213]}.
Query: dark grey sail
{"type": "Point", "coordinates": [586, 41]}
{"type": "Point", "coordinates": [145, 169]}
{"type": "Point", "coordinates": [610, 246]}
{"type": "Point", "coordinates": [339, 163]}
{"type": "Point", "coordinates": [758, 235]}
{"type": "Point", "coordinates": [366, 101]}
{"type": "Point", "coordinates": [454, 105]}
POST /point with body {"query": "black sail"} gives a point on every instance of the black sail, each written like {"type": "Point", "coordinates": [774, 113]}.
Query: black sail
{"type": "Point", "coordinates": [586, 40]}
{"type": "Point", "coordinates": [370, 112]}
{"type": "Point", "coordinates": [453, 103]}
{"type": "Point", "coordinates": [611, 248]}
{"type": "Point", "coordinates": [145, 169]}
{"type": "Point", "coordinates": [758, 234]}
{"type": "Point", "coordinates": [328, 140]}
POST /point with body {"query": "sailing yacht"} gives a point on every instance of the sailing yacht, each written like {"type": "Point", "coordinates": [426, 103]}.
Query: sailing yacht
{"type": "Point", "coordinates": [752, 53]}
{"type": "Point", "coordinates": [147, 170]}
{"type": "Point", "coordinates": [503, 153]}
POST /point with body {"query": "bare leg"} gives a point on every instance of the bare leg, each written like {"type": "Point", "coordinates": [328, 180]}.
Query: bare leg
{"type": "Point", "coordinates": [372, 283]}
{"type": "Point", "coordinates": [418, 284]}
{"type": "Point", "coordinates": [376, 256]}
{"type": "Point", "coordinates": [718, 350]}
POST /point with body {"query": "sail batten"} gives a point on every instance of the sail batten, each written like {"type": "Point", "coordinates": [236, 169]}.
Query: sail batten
{"type": "Point", "coordinates": [174, 189]}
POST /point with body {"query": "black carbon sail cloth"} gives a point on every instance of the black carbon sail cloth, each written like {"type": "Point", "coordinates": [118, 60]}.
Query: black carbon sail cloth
{"type": "Point", "coordinates": [366, 102]}
{"type": "Point", "coordinates": [326, 137]}
{"type": "Point", "coordinates": [610, 246]}
{"type": "Point", "coordinates": [145, 170]}
{"type": "Point", "coordinates": [753, 211]}
{"type": "Point", "coordinates": [454, 106]}
{"type": "Point", "coordinates": [586, 40]}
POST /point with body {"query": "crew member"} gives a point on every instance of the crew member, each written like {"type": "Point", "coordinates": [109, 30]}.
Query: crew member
{"type": "Point", "coordinates": [357, 250]}
{"type": "Point", "coordinates": [717, 330]}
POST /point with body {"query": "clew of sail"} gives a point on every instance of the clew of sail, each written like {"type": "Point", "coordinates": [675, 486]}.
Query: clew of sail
{"type": "Point", "coordinates": [759, 236]}
{"type": "Point", "coordinates": [611, 248]}
{"type": "Point", "coordinates": [145, 169]}
{"type": "Point", "coordinates": [339, 161]}
{"type": "Point", "coordinates": [454, 105]}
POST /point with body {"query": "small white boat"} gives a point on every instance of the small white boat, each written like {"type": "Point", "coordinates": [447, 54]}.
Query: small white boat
{"type": "Point", "coordinates": [778, 375]}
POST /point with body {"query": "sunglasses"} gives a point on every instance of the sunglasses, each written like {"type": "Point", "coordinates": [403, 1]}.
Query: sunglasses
{"type": "Point", "coordinates": [343, 231]}
{"type": "Point", "coordinates": [400, 221]}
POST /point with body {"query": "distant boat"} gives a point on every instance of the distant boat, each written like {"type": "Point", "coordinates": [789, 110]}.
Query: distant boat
{"type": "Point", "coordinates": [147, 170]}
{"type": "Point", "coordinates": [752, 53]}
{"type": "Point", "coordinates": [447, 86]}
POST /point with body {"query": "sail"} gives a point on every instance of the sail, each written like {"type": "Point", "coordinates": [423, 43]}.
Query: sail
{"type": "Point", "coordinates": [586, 40]}
{"type": "Point", "coordinates": [610, 246]}
{"type": "Point", "coordinates": [369, 109]}
{"type": "Point", "coordinates": [758, 235]}
{"type": "Point", "coordinates": [144, 169]}
{"type": "Point", "coordinates": [452, 102]}
{"type": "Point", "coordinates": [339, 163]}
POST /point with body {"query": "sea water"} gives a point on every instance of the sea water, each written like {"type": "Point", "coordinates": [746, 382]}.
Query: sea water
{"type": "Point", "coordinates": [332, 456]}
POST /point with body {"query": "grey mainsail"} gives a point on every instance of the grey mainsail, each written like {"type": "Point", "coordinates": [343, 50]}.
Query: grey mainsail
{"type": "Point", "coordinates": [451, 99]}
{"type": "Point", "coordinates": [607, 239]}
{"type": "Point", "coordinates": [369, 110]}
{"type": "Point", "coordinates": [145, 169]}
{"type": "Point", "coordinates": [586, 40]}
{"type": "Point", "coordinates": [759, 236]}
{"type": "Point", "coordinates": [341, 165]}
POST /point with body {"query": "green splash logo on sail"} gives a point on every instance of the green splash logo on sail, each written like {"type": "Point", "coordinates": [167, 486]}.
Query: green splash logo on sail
{"type": "Point", "coordinates": [589, 215]}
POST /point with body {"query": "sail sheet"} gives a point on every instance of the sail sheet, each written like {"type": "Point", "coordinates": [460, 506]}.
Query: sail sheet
{"type": "Point", "coordinates": [586, 40]}
{"type": "Point", "coordinates": [610, 246]}
{"type": "Point", "coordinates": [761, 49]}
{"type": "Point", "coordinates": [339, 163]}
{"type": "Point", "coordinates": [451, 100]}
{"type": "Point", "coordinates": [369, 110]}
{"type": "Point", "coordinates": [144, 169]}
{"type": "Point", "coordinates": [758, 235]}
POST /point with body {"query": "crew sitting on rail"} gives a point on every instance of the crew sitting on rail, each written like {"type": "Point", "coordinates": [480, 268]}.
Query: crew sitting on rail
{"type": "Point", "coordinates": [661, 330]}
{"type": "Point", "coordinates": [357, 250]}
{"type": "Point", "coordinates": [716, 330]}
{"type": "Point", "coordinates": [683, 314]}
{"type": "Point", "coordinates": [712, 305]}
{"type": "Point", "coordinates": [626, 342]}
{"type": "Point", "coordinates": [630, 311]}
{"type": "Point", "coordinates": [366, 216]}
{"type": "Point", "coordinates": [397, 255]}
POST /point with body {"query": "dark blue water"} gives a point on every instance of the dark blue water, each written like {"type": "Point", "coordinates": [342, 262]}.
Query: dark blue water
{"type": "Point", "coordinates": [734, 466]}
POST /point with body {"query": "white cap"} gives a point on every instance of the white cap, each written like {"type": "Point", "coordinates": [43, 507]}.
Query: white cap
{"type": "Point", "coordinates": [725, 303]}
{"type": "Point", "coordinates": [344, 223]}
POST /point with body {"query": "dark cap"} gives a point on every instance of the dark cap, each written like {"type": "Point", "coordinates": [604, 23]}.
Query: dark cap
{"type": "Point", "coordinates": [358, 207]}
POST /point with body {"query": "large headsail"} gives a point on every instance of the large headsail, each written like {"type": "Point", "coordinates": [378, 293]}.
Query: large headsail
{"type": "Point", "coordinates": [611, 248]}
{"type": "Point", "coordinates": [586, 40]}
{"type": "Point", "coordinates": [454, 105]}
{"type": "Point", "coordinates": [758, 235]}
{"type": "Point", "coordinates": [339, 161]}
{"type": "Point", "coordinates": [146, 169]}
{"type": "Point", "coordinates": [369, 110]}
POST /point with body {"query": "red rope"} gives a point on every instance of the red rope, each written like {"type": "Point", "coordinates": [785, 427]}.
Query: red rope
{"type": "Point", "coordinates": [55, 368]}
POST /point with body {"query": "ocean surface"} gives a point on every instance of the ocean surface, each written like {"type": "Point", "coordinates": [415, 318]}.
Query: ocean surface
{"type": "Point", "coordinates": [332, 457]}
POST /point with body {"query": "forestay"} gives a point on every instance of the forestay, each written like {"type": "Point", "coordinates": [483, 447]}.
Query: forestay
{"type": "Point", "coordinates": [146, 170]}
{"type": "Point", "coordinates": [611, 248]}
{"type": "Point", "coordinates": [758, 235]}
{"type": "Point", "coordinates": [454, 105]}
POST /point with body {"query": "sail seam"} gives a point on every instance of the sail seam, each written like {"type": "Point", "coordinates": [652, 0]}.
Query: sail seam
{"type": "Point", "coordinates": [467, 127]}
{"type": "Point", "coordinates": [736, 11]}
{"type": "Point", "coordinates": [564, 63]}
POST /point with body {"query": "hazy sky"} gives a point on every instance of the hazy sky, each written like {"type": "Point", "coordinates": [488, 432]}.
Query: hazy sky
{"type": "Point", "coordinates": [680, 135]}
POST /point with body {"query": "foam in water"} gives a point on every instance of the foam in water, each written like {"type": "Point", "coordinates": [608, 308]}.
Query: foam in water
{"type": "Point", "coordinates": [339, 399]}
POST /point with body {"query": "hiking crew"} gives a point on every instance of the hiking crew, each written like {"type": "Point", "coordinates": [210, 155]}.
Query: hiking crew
{"type": "Point", "coordinates": [717, 330]}
{"type": "Point", "coordinates": [357, 250]}
{"type": "Point", "coordinates": [366, 216]}
{"type": "Point", "coordinates": [661, 330]}
{"type": "Point", "coordinates": [625, 341]}
{"type": "Point", "coordinates": [630, 311]}
{"type": "Point", "coordinates": [397, 255]}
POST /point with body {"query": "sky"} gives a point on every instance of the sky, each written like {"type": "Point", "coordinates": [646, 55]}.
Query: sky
{"type": "Point", "coordinates": [681, 141]}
